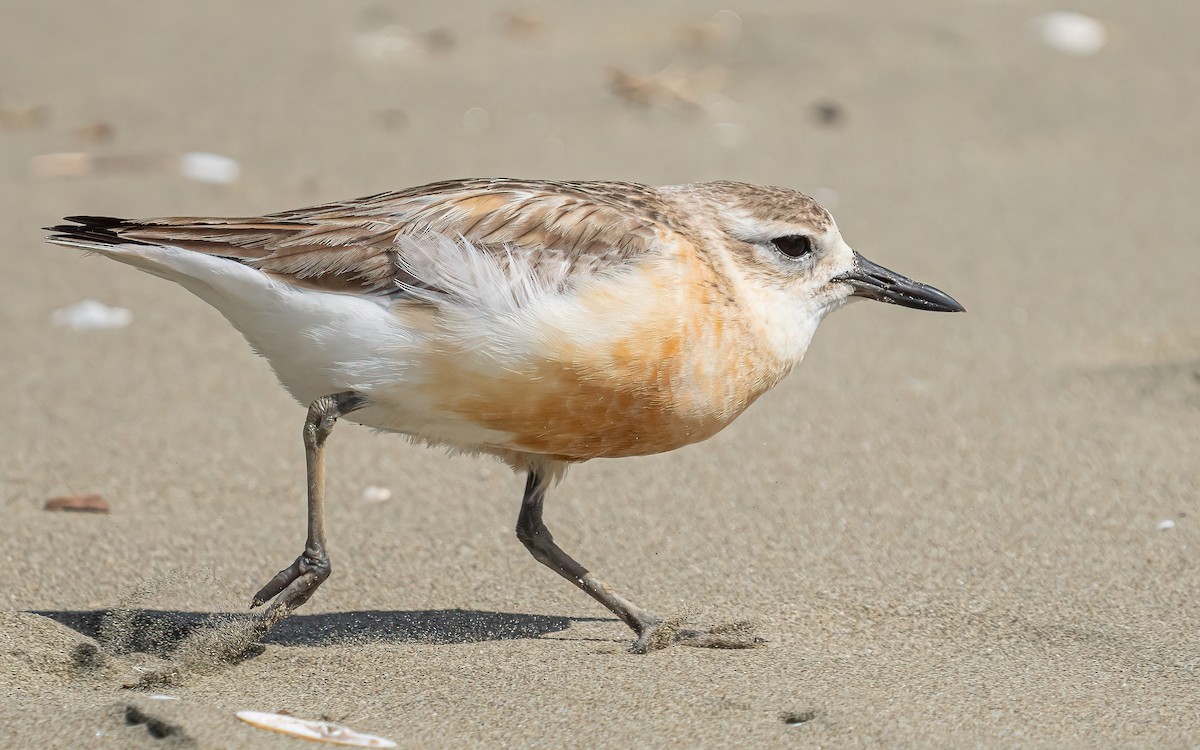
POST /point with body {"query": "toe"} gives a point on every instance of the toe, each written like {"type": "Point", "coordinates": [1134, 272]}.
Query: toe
{"type": "Point", "coordinates": [716, 638]}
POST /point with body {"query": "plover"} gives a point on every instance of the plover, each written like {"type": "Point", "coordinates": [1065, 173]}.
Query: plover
{"type": "Point", "coordinates": [544, 323]}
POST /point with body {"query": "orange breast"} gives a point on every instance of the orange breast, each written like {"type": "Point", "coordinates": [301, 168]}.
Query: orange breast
{"type": "Point", "coordinates": [676, 372]}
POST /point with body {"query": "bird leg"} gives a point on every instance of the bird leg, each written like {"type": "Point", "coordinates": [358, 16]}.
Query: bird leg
{"type": "Point", "coordinates": [652, 631]}
{"type": "Point", "coordinates": [296, 583]}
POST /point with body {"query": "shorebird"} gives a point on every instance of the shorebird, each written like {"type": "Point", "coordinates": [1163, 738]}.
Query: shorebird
{"type": "Point", "coordinates": [544, 323]}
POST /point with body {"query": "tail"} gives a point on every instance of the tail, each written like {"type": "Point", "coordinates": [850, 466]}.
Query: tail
{"type": "Point", "coordinates": [198, 266]}
{"type": "Point", "coordinates": [106, 235]}
{"type": "Point", "coordinates": [95, 233]}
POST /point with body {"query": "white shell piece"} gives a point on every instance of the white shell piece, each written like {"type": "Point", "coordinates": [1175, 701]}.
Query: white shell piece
{"type": "Point", "coordinates": [318, 731]}
{"type": "Point", "coordinates": [90, 314]}
{"type": "Point", "coordinates": [1071, 32]}
{"type": "Point", "coordinates": [374, 494]}
{"type": "Point", "coordinates": [202, 167]}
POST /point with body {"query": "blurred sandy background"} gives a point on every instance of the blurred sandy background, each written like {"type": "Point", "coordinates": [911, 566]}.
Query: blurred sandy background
{"type": "Point", "coordinates": [972, 530]}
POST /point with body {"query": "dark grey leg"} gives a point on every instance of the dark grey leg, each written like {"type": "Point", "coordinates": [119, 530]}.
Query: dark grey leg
{"type": "Point", "coordinates": [540, 543]}
{"type": "Point", "coordinates": [650, 629]}
{"type": "Point", "coordinates": [296, 583]}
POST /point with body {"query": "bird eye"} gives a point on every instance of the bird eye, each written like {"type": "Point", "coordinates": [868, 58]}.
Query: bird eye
{"type": "Point", "coordinates": [793, 245]}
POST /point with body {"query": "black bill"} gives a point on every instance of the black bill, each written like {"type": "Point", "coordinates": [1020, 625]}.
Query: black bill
{"type": "Point", "coordinates": [878, 283]}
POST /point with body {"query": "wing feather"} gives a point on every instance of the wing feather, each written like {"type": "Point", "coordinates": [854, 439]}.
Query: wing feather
{"type": "Point", "coordinates": [370, 245]}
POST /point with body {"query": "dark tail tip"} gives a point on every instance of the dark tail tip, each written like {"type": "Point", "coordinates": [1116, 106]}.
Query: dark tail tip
{"type": "Point", "coordinates": [99, 229]}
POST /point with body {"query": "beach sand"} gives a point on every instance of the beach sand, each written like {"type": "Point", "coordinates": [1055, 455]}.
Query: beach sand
{"type": "Point", "coordinates": [953, 530]}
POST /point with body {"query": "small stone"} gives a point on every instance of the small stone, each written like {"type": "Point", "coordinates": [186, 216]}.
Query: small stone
{"type": "Point", "coordinates": [828, 113]}
{"type": "Point", "coordinates": [78, 504]}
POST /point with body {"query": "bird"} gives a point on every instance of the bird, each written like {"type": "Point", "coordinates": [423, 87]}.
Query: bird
{"type": "Point", "coordinates": [541, 322]}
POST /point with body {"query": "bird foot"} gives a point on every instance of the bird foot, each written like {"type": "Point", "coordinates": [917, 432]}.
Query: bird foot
{"type": "Point", "coordinates": [292, 586]}
{"type": "Point", "coordinates": [660, 634]}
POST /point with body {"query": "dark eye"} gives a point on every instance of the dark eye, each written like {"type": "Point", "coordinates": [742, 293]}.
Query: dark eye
{"type": "Point", "coordinates": [793, 245]}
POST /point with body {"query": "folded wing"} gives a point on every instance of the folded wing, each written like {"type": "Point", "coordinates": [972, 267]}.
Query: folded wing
{"type": "Point", "coordinates": [448, 238]}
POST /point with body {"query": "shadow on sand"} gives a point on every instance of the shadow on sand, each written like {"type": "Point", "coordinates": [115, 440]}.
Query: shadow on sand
{"type": "Point", "coordinates": [159, 632]}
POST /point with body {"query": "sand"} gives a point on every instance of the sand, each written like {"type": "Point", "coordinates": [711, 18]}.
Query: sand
{"type": "Point", "coordinates": [970, 530]}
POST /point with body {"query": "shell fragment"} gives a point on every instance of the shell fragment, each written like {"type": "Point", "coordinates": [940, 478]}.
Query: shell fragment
{"type": "Point", "coordinates": [319, 731]}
